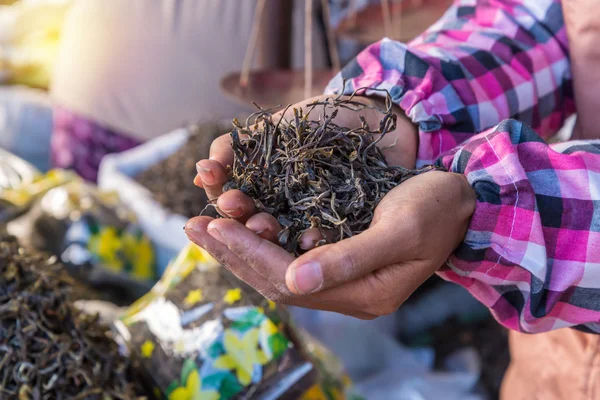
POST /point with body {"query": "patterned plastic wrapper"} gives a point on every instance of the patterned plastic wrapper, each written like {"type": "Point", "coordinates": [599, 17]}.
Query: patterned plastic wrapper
{"type": "Point", "coordinates": [94, 235]}
{"type": "Point", "coordinates": [21, 184]}
{"type": "Point", "coordinates": [200, 333]}
{"type": "Point", "coordinates": [333, 382]}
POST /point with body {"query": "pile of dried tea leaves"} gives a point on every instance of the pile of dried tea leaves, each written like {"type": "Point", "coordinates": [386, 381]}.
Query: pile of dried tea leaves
{"type": "Point", "coordinates": [49, 349]}
{"type": "Point", "coordinates": [170, 180]}
{"type": "Point", "coordinates": [310, 172]}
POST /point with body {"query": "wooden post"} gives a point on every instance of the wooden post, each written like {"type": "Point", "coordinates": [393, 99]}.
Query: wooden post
{"type": "Point", "coordinates": [331, 39]}
{"type": "Point", "coordinates": [252, 42]}
{"type": "Point", "coordinates": [308, 67]}
{"type": "Point", "coordinates": [387, 18]}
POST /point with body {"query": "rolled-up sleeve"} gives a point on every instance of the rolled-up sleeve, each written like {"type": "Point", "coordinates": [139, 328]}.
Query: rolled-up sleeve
{"type": "Point", "coordinates": [532, 251]}
{"type": "Point", "coordinates": [481, 63]}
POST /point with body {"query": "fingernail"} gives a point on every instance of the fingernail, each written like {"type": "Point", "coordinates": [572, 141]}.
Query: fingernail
{"type": "Point", "coordinates": [307, 244]}
{"type": "Point", "coordinates": [200, 168]}
{"type": "Point", "coordinates": [193, 232]}
{"type": "Point", "coordinates": [216, 234]}
{"type": "Point", "coordinates": [233, 213]}
{"type": "Point", "coordinates": [192, 225]}
{"type": "Point", "coordinates": [205, 174]}
{"type": "Point", "coordinates": [307, 278]}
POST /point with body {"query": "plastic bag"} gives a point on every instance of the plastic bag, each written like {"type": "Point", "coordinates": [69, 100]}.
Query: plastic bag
{"type": "Point", "coordinates": [26, 124]}
{"type": "Point", "coordinates": [30, 36]}
{"type": "Point", "coordinates": [333, 382]}
{"type": "Point", "coordinates": [21, 184]}
{"type": "Point", "coordinates": [94, 235]}
{"type": "Point", "coordinates": [202, 333]}
{"type": "Point", "coordinates": [118, 172]}
{"type": "Point", "coordinates": [15, 172]}
{"type": "Point", "coordinates": [381, 367]}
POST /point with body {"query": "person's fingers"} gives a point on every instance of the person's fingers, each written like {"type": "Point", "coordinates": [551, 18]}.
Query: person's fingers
{"type": "Point", "coordinates": [264, 225]}
{"type": "Point", "coordinates": [198, 180]}
{"type": "Point", "coordinates": [380, 292]}
{"type": "Point", "coordinates": [265, 257]}
{"type": "Point", "coordinates": [310, 238]}
{"type": "Point", "coordinates": [221, 151]}
{"type": "Point", "coordinates": [212, 176]}
{"type": "Point", "coordinates": [197, 231]}
{"type": "Point", "coordinates": [235, 204]}
{"type": "Point", "coordinates": [331, 265]}
{"type": "Point", "coordinates": [271, 262]}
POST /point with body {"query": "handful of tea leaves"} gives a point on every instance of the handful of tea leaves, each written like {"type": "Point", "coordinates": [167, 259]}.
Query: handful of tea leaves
{"type": "Point", "coordinates": [49, 349]}
{"type": "Point", "coordinates": [309, 172]}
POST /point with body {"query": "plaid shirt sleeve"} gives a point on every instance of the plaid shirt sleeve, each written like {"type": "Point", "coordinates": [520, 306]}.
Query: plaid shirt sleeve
{"type": "Point", "coordinates": [483, 62]}
{"type": "Point", "coordinates": [532, 251]}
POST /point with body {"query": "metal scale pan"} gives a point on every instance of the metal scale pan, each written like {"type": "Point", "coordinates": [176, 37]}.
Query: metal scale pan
{"type": "Point", "coordinates": [409, 19]}
{"type": "Point", "coordinates": [275, 87]}
{"type": "Point", "coordinates": [271, 88]}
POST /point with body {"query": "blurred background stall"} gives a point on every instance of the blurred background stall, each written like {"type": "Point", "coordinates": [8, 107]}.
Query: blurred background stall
{"type": "Point", "coordinates": [129, 95]}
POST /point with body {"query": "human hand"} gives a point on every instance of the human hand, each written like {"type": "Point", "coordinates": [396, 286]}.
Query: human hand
{"type": "Point", "coordinates": [415, 228]}
{"type": "Point", "coordinates": [400, 147]}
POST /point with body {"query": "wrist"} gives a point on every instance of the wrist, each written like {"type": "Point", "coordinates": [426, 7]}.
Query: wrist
{"type": "Point", "coordinates": [467, 201]}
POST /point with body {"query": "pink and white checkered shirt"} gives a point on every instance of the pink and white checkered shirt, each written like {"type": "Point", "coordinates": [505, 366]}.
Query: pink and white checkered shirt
{"type": "Point", "coordinates": [532, 252]}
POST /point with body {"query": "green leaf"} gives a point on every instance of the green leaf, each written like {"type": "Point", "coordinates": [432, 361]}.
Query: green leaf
{"type": "Point", "coordinates": [254, 316]}
{"type": "Point", "coordinates": [278, 344]}
{"type": "Point", "coordinates": [230, 387]}
{"type": "Point", "coordinates": [93, 227]}
{"type": "Point", "coordinates": [216, 349]}
{"type": "Point", "coordinates": [251, 319]}
{"type": "Point", "coordinates": [328, 392]}
{"type": "Point", "coordinates": [214, 381]}
{"type": "Point", "coordinates": [188, 366]}
{"type": "Point", "coordinates": [242, 327]}
{"type": "Point", "coordinates": [275, 317]}
{"type": "Point", "coordinates": [174, 385]}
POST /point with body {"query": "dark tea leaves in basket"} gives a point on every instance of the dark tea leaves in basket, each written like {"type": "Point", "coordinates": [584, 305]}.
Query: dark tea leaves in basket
{"type": "Point", "coordinates": [49, 349]}
{"type": "Point", "coordinates": [170, 180]}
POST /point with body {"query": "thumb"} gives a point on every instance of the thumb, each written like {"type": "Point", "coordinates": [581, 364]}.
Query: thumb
{"type": "Point", "coordinates": [331, 265]}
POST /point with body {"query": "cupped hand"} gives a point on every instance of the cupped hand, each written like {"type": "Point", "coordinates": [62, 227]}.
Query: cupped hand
{"type": "Point", "coordinates": [415, 228]}
{"type": "Point", "coordinates": [399, 148]}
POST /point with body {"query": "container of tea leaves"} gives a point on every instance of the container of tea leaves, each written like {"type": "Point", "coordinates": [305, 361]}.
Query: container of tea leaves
{"type": "Point", "coordinates": [21, 183]}
{"type": "Point", "coordinates": [50, 349]}
{"type": "Point", "coordinates": [95, 236]}
{"type": "Point", "coordinates": [155, 181]}
{"type": "Point", "coordinates": [170, 179]}
{"type": "Point", "coordinates": [202, 333]}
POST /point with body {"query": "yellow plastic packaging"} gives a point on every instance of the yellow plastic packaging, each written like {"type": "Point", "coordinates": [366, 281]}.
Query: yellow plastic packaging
{"type": "Point", "coordinates": [201, 333]}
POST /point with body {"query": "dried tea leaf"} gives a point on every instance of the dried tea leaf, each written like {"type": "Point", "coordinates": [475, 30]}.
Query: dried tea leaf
{"type": "Point", "coordinates": [310, 172]}
{"type": "Point", "coordinates": [49, 349]}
